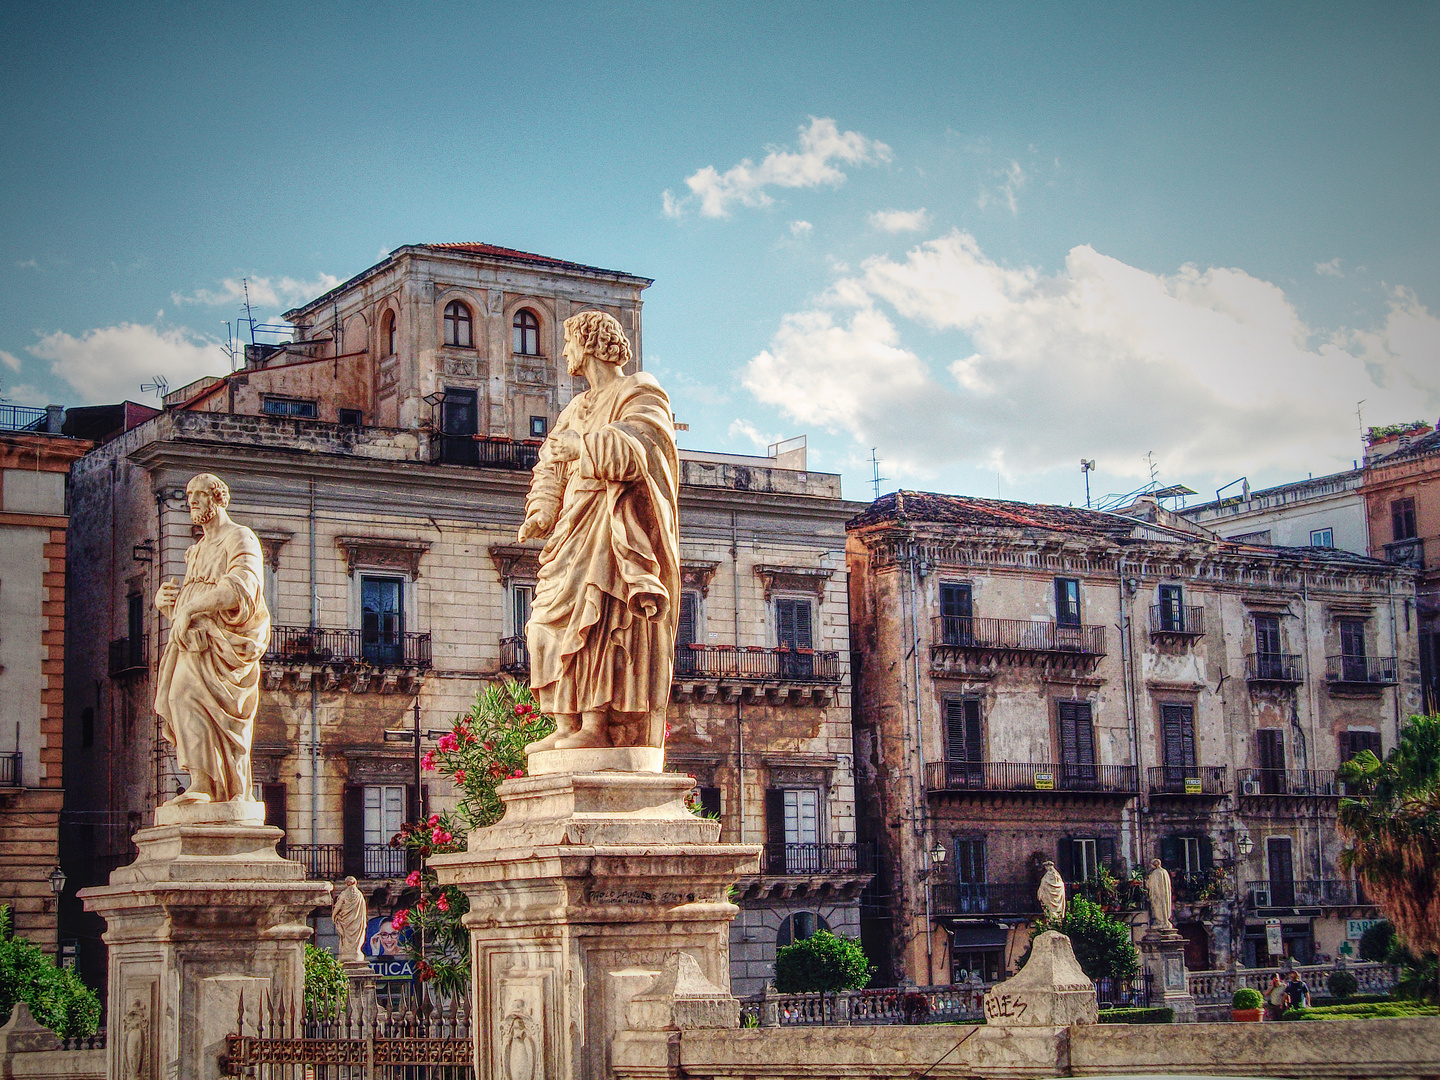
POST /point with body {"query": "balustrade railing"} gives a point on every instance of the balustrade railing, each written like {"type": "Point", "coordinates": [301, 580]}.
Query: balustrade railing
{"type": "Point", "coordinates": [1020, 635]}
{"type": "Point", "coordinates": [1272, 667]}
{"type": "Point", "coordinates": [1317, 782]}
{"type": "Point", "coordinates": [956, 1003]}
{"type": "Point", "coordinates": [1369, 670]}
{"type": "Point", "coordinates": [336, 645]}
{"type": "Point", "coordinates": [756, 664]}
{"type": "Point", "coordinates": [1218, 987]}
{"type": "Point", "coordinates": [1406, 553]}
{"type": "Point", "coordinates": [1030, 776]}
{"type": "Point", "coordinates": [1188, 779]}
{"type": "Point", "coordinates": [816, 859]}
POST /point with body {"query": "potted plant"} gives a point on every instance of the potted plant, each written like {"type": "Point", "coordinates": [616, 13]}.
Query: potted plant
{"type": "Point", "coordinates": [1247, 1006]}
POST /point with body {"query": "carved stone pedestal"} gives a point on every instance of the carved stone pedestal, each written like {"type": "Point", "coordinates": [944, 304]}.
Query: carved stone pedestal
{"type": "Point", "coordinates": [207, 912]}
{"type": "Point", "coordinates": [577, 898]}
{"type": "Point", "coordinates": [1051, 990]}
{"type": "Point", "coordinates": [1162, 954]}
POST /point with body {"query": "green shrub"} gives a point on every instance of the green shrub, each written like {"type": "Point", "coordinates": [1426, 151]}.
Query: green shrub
{"type": "Point", "coordinates": [1375, 942]}
{"type": "Point", "coordinates": [1342, 984]}
{"type": "Point", "coordinates": [821, 962]}
{"type": "Point", "coordinates": [1364, 1011]}
{"type": "Point", "coordinates": [1247, 997]}
{"type": "Point", "coordinates": [1103, 946]}
{"type": "Point", "coordinates": [326, 987]}
{"type": "Point", "coordinates": [56, 996]}
{"type": "Point", "coordinates": [1137, 1016]}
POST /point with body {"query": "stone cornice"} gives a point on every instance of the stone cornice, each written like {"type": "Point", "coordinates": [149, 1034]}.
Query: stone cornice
{"type": "Point", "coordinates": [382, 551]}
{"type": "Point", "coordinates": [795, 578]}
{"type": "Point", "coordinates": [516, 561]}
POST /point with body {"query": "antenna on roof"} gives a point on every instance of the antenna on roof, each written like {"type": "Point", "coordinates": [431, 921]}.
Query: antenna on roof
{"type": "Point", "coordinates": [1086, 467]}
{"type": "Point", "coordinates": [157, 386]}
{"type": "Point", "coordinates": [875, 476]}
{"type": "Point", "coordinates": [245, 284]}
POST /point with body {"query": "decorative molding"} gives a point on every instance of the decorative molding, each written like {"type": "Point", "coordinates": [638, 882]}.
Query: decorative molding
{"type": "Point", "coordinates": [271, 541]}
{"type": "Point", "coordinates": [372, 770]}
{"type": "Point", "coordinates": [697, 574]}
{"type": "Point", "coordinates": [1061, 678]}
{"type": "Point", "coordinates": [1279, 605]}
{"type": "Point", "coordinates": [516, 562]}
{"type": "Point", "coordinates": [391, 553]}
{"type": "Point", "coordinates": [1176, 686]}
{"type": "Point", "coordinates": [795, 579]}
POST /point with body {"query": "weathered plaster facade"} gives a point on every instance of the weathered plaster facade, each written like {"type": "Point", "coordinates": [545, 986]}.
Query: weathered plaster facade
{"type": "Point", "coordinates": [1019, 729]}
{"type": "Point", "coordinates": [1300, 514]}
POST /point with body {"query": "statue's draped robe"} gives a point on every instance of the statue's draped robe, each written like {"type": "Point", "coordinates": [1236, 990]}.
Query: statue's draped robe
{"type": "Point", "coordinates": [615, 545]}
{"type": "Point", "coordinates": [1157, 884]}
{"type": "Point", "coordinates": [209, 685]}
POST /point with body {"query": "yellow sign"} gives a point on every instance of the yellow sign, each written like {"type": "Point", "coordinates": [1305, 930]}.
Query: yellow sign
{"type": "Point", "coordinates": [1192, 785]}
{"type": "Point", "coordinates": [1044, 781]}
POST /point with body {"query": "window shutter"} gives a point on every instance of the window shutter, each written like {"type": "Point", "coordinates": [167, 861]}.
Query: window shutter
{"type": "Point", "coordinates": [974, 747]}
{"type": "Point", "coordinates": [1170, 853]}
{"type": "Point", "coordinates": [275, 810]}
{"type": "Point", "coordinates": [353, 822]}
{"type": "Point", "coordinates": [785, 622]}
{"type": "Point", "coordinates": [1105, 851]}
{"type": "Point", "coordinates": [803, 639]}
{"type": "Point", "coordinates": [954, 730]}
{"type": "Point", "coordinates": [1063, 860]}
{"type": "Point", "coordinates": [1271, 746]}
{"type": "Point", "coordinates": [775, 829]}
{"type": "Point", "coordinates": [685, 632]}
{"type": "Point", "coordinates": [1207, 854]}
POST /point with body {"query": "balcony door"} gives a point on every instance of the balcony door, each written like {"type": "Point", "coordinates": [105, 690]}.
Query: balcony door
{"type": "Point", "coordinates": [1177, 724]}
{"type": "Point", "coordinates": [1077, 745]}
{"type": "Point", "coordinates": [792, 830]}
{"type": "Point", "coordinates": [1352, 651]}
{"type": "Point", "coordinates": [1172, 608]}
{"type": "Point", "coordinates": [957, 624]}
{"type": "Point", "coordinates": [685, 635]}
{"type": "Point", "coordinates": [1268, 664]}
{"type": "Point", "coordinates": [970, 883]}
{"type": "Point", "coordinates": [792, 632]}
{"type": "Point", "coordinates": [1282, 871]}
{"type": "Point", "coordinates": [382, 621]}
{"type": "Point", "coordinates": [964, 744]}
{"type": "Point", "coordinates": [459, 423]}
{"type": "Point", "coordinates": [1270, 753]}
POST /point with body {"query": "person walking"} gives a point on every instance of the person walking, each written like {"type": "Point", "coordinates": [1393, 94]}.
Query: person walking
{"type": "Point", "coordinates": [1275, 999]}
{"type": "Point", "coordinates": [1297, 994]}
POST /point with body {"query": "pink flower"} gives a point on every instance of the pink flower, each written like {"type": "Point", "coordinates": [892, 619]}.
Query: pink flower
{"type": "Point", "coordinates": [442, 903]}
{"type": "Point", "coordinates": [448, 744]}
{"type": "Point", "coordinates": [427, 761]}
{"type": "Point", "coordinates": [440, 836]}
{"type": "Point", "coordinates": [516, 773]}
{"type": "Point", "coordinates": [399, 919]}
{"type": "Point", "coordinates": [459, 776]}
{"type": "Point", "coordinates": [413, 878]}
{"type": "Point", "coordinates": [434, 820]}
{"type": "Point", "coordinates": [420, 904]}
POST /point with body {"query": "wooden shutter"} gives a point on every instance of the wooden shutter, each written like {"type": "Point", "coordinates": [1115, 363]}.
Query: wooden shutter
{"type": "Point", "coordinates": [1064, 862]}
{"type": "Point", "coordinates": [1352, 637]}
{"type": "Point", "coordinates": [1267, 634]}
{"type": "Point", "coordinates": [803, 640]}
{"type": "Point", "coordinates": [775, 829]}
{"type": "Point", "coordinates": [275, 810]}
{"type": "Point", "coordinates": [1170, 853]}
{"type": "Point", "coordinates": [1178, 722]}
{"type": "Point", "coordinates": [785, 623]}
{"type": "Point", "coordinates": [1105, 853]}
{"type": "Point", "coordinates": [963, 739]}
{"type": "Point", "coordinates": [353, 823]}
{"type": "Point", "coordinates": [1207, 854]}
{"type": "Point", "coordinates": [1270, 743]}
{"type": "Point", "coordinates": [1077, 733]}
{"type": "Point", "coordinates": [685, 632]}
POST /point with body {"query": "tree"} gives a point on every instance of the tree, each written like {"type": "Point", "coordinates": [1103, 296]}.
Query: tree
{"type": "Point", "coordinates": [1103, 946]}
{"type": "Point", "coordinates": [56, 996]}
{"type": "Point", "coordinates": [1375, 943]}
{"type": "Point", "coordinates": [326, 988]}
{"type": "Point", "coordinates": [1392, 822]}
{"type": "Point", "coordinates": [821, 962]}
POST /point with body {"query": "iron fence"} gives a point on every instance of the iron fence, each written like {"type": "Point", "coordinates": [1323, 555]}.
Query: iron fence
{"type": "Point", "coordinates": [484, 452]}
{"type": "Point", "coordinates": [1369, 670]}
{"type": "Point", "coordinates": [334, 645]}
{"type": "Point", "coordinates": [1022, 635]}
{"type": "Point", "coordinates": [983, 898]}
{"type": "Point", "coordinates": [11, 769]}
{"type": "Point", "coordinates": [1132, 993]}
{"type": "Point", "coordinates": [1272, 667]}
{"type": "Point", "coordinates": [1188, 779]}
{"type": "Point", "coordinates": [1030, 776]}
{"type": "Point", "coordinates": [1304, 892]}
{"type": "Point", "coordinates": [1170, 619]}
{"type": "Point", "coordinates": [128, 655]}
{"type": "Point", "coordinates": [22, 418]}
{"type": "Point", "coordinates": [322, 862]}
{"type": "Point", "coordinates": [756, 664]}
{"type": "Point", "coordinates": [514, 655]}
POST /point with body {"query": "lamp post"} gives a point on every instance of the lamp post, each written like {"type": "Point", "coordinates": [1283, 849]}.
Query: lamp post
{"type": "Point", "coordinates": [57, 886]}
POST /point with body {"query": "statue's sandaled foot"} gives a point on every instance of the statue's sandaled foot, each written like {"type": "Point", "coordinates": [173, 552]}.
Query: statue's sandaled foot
{"type": "Point", "coordinates": [189, 797]}
{"type": "Point", "coordinates": [547, 743]}
{"type": "Point", "coordinates": [584, 739]}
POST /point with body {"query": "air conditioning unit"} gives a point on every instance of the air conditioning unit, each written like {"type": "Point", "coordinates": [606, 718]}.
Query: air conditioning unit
{"type": "Point", "coordinates": [1249, 787]}
{"type": "Point", "coordinates": [1259, 898]}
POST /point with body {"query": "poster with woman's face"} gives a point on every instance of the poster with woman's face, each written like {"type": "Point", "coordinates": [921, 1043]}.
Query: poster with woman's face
{"type": "Point", "coordinates": [384, 946]}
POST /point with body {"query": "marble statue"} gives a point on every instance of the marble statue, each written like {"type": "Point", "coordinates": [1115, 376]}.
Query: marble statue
{"type": "Point", "coordinates": [517, 1037]}
{"type": "Point", "coordinates": [1052, 894]}
{"type": "Point", "coordinates": [209, 683]}
{"type": "Point", "coordinates": [134, 1029]}
{"type": "Point", "coordinates": [350, 918]}
{"type": "Point", "coordinates": [604, 497]}
{"type": "Point", "coordinates": [1157, 884]}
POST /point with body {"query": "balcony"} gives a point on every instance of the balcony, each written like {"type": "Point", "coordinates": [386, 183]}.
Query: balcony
{"type": "Point", "coordinates": [1409, 553]}
{"type": "Point", "coordinates": [327, 862]}
{"type": "Point", "coordinates": [1188, 779]}
{"type": "Point", "coordinates": [343, 660]}
{"type": "Point", "coordinates": [483, 452]}
{"type": "Point", "coordinates": [984, 898]}
{"type": "Point", "coordinates": [752, 673]}
{"type": "Point", "coordinates": [128, 656]}
{"type": "Point", "coordinates": [515, 656]}
{"type": "Point", "coordinates": [1029, 776]}
{"type": "Point", "coordinates": [1279, 668]}
{"type": "Point", "coordinates": [1258, 783]}
{"type": "Point", "coordinates": [810, 870]}
{"type": "Point", "coordinates": [813, 859]}
{"type": "Point", "coordinates": [958, 641]}
{"type": "Point", "coordinates": [1166, 620]}
{"type": "Point", "coordinates": [1355, 672]}
{"type": "Point", "coordinates": [11, 769]}
{"type": "Point", "coordinates": [1326, 892]}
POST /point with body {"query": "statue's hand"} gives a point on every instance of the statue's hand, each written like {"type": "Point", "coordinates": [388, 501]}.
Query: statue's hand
{"type": "Point", "coordinates": [537, 525]}
{"type": "Point", "coordinates": [166, 596]}
{"type": "Point", "coordinates": [564, 445]}
{"type": "Point", "coordinates": [180, 629]}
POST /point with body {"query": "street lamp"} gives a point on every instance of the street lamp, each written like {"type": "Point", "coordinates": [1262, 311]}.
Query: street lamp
{"type": "Point", "coordinates": [937, 855]}
{"type": "Point", "coordinates": [57, 881]}
{"type": "Point", "coordinates": [1243, 843]}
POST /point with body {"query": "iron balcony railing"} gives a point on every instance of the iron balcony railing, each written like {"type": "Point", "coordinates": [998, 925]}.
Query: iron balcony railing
{"type": "Point", "coordinates": [1272, 667]}
{"type": "Point", "coordinates": [1030, 776]}
{"type": "Point", "coordinates": [1323, 892]}
{"type": "Point", "coordinates": [11, 769]}
{"type": "Point", "coordinates": [1019, 635]}
{"type": "Point", "coordinates": [1170, 619]}
{"type": "Point", "coordinates": [779, 859]}
{"type": "Point", "coordinates": [384, 861]}
{"type": "Point", "coordinates": [514, 656]}
{"type": "Point", "coordinates": [756, 664]}
{"type": "Point", "coordinates": [983, 898]}
{"type": "Point", "coordinates": [1322, 782]}
{"type": "Point", "coordinates": [22, 418]}
{"type": "Point", "coordinates": [486, 453]}
{"type": "Point", "coordinates": [1360, 670]}
{"type": "Point", "coordinates": [1198, 887]}
{"type": "Point", "coordinates": [1188, 779]}
{"type": "Point", "coordinates": [322, 862]}
{"type": "Point", "coordinates": [1406, 553]}
{"type": "Point", "coordinates": [326, 645]}
{"type": "Point", "coordinates": [128, 655]}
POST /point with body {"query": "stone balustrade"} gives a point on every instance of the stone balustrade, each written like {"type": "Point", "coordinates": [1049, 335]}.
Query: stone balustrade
{"type": "Point", "coordinates": [1217, 987]}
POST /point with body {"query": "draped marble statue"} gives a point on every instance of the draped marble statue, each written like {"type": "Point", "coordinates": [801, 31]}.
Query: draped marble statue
{"type": "Point", "coordinates": [351, 919]}
{"type": "Point", "coordinates": [209, 683]}
{"type": "Point", "coordinates": [1051, 894]}
{"type": "Point", "coordinates": [1157, 884]}
{"type": "Point", "coordinates": [604, 497]}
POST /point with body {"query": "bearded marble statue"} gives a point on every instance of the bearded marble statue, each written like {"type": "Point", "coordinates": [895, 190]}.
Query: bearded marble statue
{"type": "Point", "coordinates": [209, 683]}
{"type": "Point", "coordinates": [604, 497]}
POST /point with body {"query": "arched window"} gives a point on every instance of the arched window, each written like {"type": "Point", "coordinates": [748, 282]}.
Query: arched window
{"type": "Point", "coordinates": [527, 333]}
{"type": "Point", "coordinates": [798, 927]}
{"type": "Point", "coordinates": [457, 325]}
{"type": "Point", "coordinates": [387, 334]}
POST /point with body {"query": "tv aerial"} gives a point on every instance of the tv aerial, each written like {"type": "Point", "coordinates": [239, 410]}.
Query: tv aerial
{"type": "Point", "coordinates": [157, 386]}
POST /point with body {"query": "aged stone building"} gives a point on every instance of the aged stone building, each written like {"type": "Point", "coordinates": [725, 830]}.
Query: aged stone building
{"type": "Point", "coordinates": [1047, 683]}
{"type": "Point", "coordinates": [383, 459]}
{"type": "Point", "coordinates": [1322, 511]}
{"type": "Point", "coordinates": [34, 460]}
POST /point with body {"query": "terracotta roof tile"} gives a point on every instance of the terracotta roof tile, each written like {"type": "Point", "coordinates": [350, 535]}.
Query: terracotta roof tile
{"type": "Point", "coordinates": [991, 513]}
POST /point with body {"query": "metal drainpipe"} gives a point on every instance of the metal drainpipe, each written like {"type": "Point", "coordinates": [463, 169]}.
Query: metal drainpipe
{"type": "Point", "coordinates": [1128, 689]}
{"type": "Point", "coordinates": [1312, 746]}
{"type": "Point", "coordinates": [1395, 652]}
{"type": "Point", "coordinates": [920, 756]}
{"type": "Point", "coordinates": [739, 700]}
{"type": "Point", "coordinates": [314, 690]}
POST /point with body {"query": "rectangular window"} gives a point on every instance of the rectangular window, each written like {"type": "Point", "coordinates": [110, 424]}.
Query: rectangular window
{"type": "Point", "coordinates": [970, 861]}
{"type": "Point", "coordinates": [1084, 858]}
{"type": "Point", "coordinates": [1282, 871]}
{"type": "Point", "coordinates": [1267, 635]}
{"type": "Point", "coordinates": [539, 427]}
{"type": "Point", "coordinates": [1067, 601]}
{"type": "Point", "coordinates": [1402, 519]}
{"type": "Point", "coordinates": [687, 662]}
{"type": "Point", "coordinates": [963, 739]}
{"type": "Point", "coordinates": [1322, 538]}
{"type": "Point", "coordinates": [382, 621]}
{"type": "Point", "coordinates": [792, 631]}
{"type": "Point", "coordinates": [1079, 858]}
{"type": "Point", "coordinates": [1186, 854]}
{"type": "Point", "coordinates": [1172, 607]}
{"type": "Point", "coordinates": [1077, 745]}
{"type": "Point", "coordinates": [1178, 726]}
{"type": "Point", "coordinates": [792, 828]}
{"type": "Point", "coordinates": [956, 614]}
{"type": "Point", "coordinates": [293, 407]}
{"type": "Point", "coordinates": [384, 814]}
{"type": "Point", "coordinates": [459, 423]}
{"type": "Point", "coordinates": [1270, 753]}
{"type": "Point", "coordinates": [521, 597]}
{"type": "Point", "coordinates": [1352, 651]}
{"type": "Point", "coordinates": [351, 417]}
{"type": "Point", "coordinates": [1354, 743]}
{"type": "Point", "coordinates": [984, 963]}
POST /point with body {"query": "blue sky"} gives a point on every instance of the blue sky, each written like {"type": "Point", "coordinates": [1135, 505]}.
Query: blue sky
{"type": "Point", "coordinates": [1205, 231]}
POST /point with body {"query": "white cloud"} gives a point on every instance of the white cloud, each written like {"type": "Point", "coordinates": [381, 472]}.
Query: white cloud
{"type": "Point", "coordinates": [1330, 269]}
{"type": "Point", "coordinates": [28, 264]}
{"type": "Point", "coordinates": [109, 364]}
{"type": "Point", "coordinates": [801, 229]}
{"type": "Point", "coordinates": [278, 293]}
{"type": "Point", "coordinates": [898, 221]}
{"type": "Point", "coordinates": [1011, 179]}
{"type": "Point", "coordinates": [743, 429]}
{"type": "Point", "coordinates": [10, 360]}
{"type": "Point", "coordinates": [28, 394]}
{"type": "Point", "coordinates": [1211, 369]}
{"type": "Point", "coordinates": [822, 144]}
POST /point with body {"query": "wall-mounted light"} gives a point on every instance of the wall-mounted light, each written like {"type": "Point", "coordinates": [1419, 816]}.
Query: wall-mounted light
{"type": "Point", "coordinates": [57, 881]}
{"type": "Point", "coordinates": [937, 855]}
{"type": "Point", "coordinates": [1243, 843]}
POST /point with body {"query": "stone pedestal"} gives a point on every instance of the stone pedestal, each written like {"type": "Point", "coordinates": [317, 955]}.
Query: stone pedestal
{"type": "Point", "coordinates": [1162, 955]}
{"type": "Point", "coordinates": [207, 913]}
{"type": "Point", "coordinates": [577, 899]}
{"type": "Point", "coordinates": [1051, 990]}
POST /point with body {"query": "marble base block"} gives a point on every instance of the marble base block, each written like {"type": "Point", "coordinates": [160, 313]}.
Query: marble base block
{"type": "Point", "coordinates": [1162, 954]}
{"type": "Point", "coordinates": [578, 897]}
{"type": "Point", "coordinates": [1051, 990]}
{"type": "Point", "coordinates": [206, 916]}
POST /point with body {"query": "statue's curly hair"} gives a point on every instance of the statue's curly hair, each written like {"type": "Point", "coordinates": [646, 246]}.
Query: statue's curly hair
{"type": "Point", "coordinates": [600, 336]}
{"type": "Point", "coordinates": [219, 490]}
